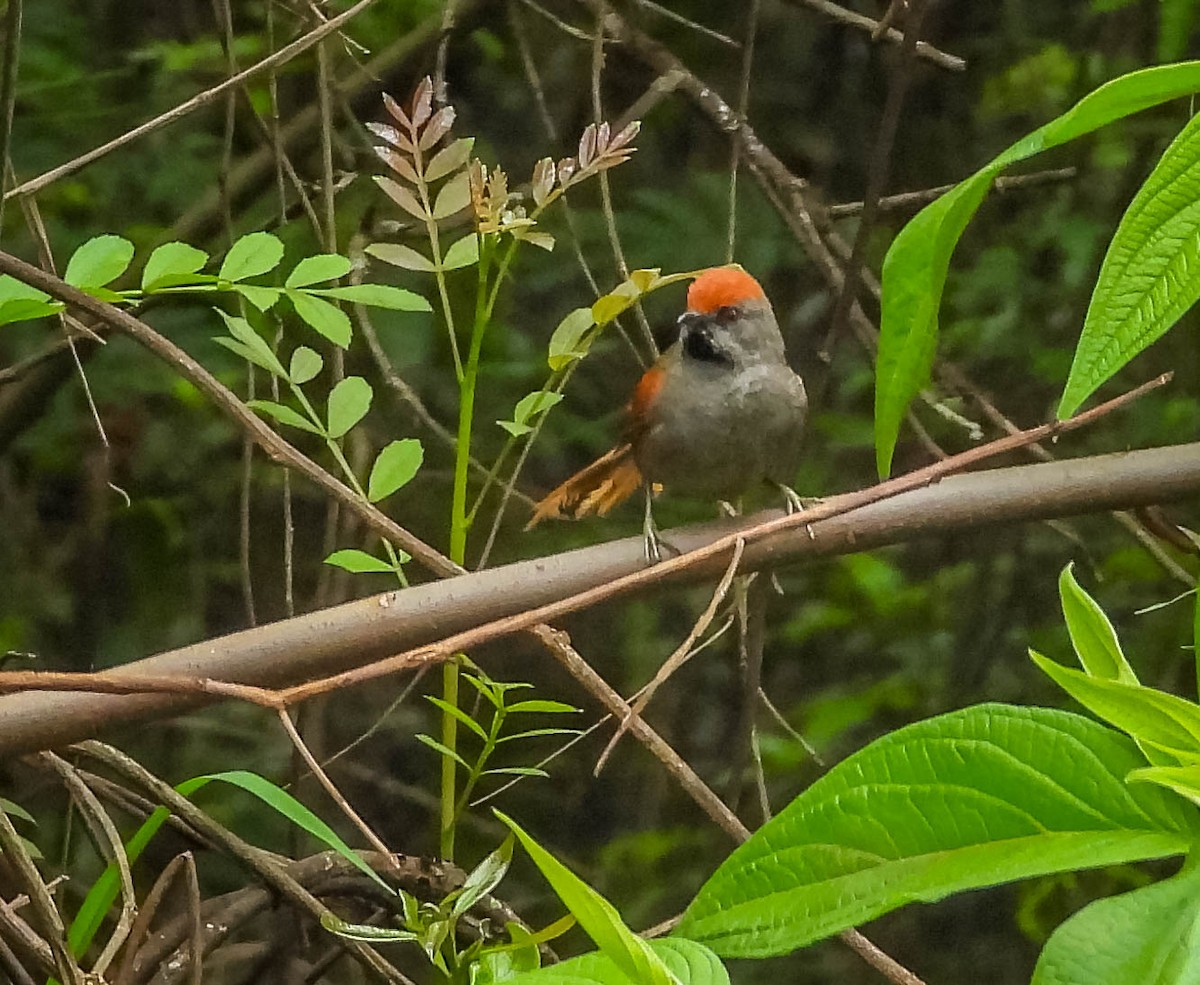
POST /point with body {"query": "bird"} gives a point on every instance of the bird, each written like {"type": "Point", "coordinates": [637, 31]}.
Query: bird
{"type": "Point", "coordinates": [717, 414]}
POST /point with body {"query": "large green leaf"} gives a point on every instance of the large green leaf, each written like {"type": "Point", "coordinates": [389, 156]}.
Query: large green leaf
{"type": "Point", "coordinates": [629, 953]}
{"type": "Point", "coordinates": [1150, 936]}
{"type": "Point", "coordinates": [974, 798]}
{"type": "Point", "coordinates": [690, 963]}
{"type": "Point", "coordinates": [1166, 721]}
{"type": "Point", "coordinates": [914, 272]}
{"type": "Point", "coordinates": [1150, 275]}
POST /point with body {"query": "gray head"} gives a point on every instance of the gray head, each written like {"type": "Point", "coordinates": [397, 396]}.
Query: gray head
{"type": "Point", "coordinates": [729, 321]}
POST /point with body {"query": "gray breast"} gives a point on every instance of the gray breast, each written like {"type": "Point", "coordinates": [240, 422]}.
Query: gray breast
{"type": "Point", "coordinates": [717, 432]}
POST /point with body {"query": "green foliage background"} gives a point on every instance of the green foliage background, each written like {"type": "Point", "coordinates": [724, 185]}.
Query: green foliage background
{"type": "Point", "coordinates": [857, 646]}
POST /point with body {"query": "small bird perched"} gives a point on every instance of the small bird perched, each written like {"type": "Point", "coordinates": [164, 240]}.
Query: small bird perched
{"type": "Point", "coordinates": [718, 413]}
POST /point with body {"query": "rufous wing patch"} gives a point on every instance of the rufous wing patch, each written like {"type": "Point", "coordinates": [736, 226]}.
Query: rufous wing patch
{"type": "Point", "coordinates": [607, 482]}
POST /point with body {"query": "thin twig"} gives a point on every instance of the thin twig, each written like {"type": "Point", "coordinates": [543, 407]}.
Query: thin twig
{"type": "Point", "coordinates": [879, 168]}
{"type": "Point", "coordinates": [8, 88]}
{"type": "Point", "coordinates": [177, 113]}
{"type": "Point", "coordinates": [330, 787]}
{"type": "Point", "coordinates": [679, 657]}
{"type": "Point", "coordinates": [862, 23]}
{"type": "Point", "coordinates": [743, 104]}
{"type": "Point", "coordinates": [108, 840]}
{"type": "Point", "coordinates": [911, 200]}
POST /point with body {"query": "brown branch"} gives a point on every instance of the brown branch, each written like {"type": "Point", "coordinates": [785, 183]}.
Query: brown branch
{"type": "Point", "coordinates": [486, 604]}
{"type": "Point", "coordinates": [891, 35]}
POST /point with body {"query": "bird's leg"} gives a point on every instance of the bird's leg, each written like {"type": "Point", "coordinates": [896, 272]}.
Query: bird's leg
{"type": "Point", "coordinates": [795, 503]}
{"type": "Point", "coordinates": [792, 502]}
{"type": "Point", "coordinates": [650, 536]}
{"type": "Point", "coordinates": [653, 539]}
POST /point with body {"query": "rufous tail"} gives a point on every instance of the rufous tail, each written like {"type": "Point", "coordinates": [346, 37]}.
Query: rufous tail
{"type": "Point", "coordinates": [608, 481]}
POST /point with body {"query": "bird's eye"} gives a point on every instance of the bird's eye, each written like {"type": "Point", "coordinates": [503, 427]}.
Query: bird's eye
{"type": "Point", "coordinates": [725, 314]}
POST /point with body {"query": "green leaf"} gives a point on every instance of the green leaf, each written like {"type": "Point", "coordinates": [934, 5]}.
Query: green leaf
{"type": "Point", "coordinates": [378, 296]}
{"type": "Point", "coordinates": [596, 915]}
{"type": "Point", "coordinates": [515, 771]}
{"type": "Point", "coordinates": [449, 158]}
{"type": "Point", "coordinates": [284, 804]}
{"type": "Point", "coordinates": [536, 732]}
{"type": "Point", "coordinates": [254, 344]}
{"type": "Point", "coordinates": [485, 877]}
{"type": "Point", "coordinates": [349, 402]}
{"type": "Point", "coordinates": [462, 253]}
{"type": "Point", "coordinates": [1150, 275]}
{"type": "Point", "coordinates": [442, 750]}
{"type": "Point", "coordinates": [457, 713]}
{"type": "Point", "coordinates": [26, 309]}
{"type": "Point", "coordinates": [328, 319]}
{"type": "Point", "coordinates": [99, 900]}
{"type": "Point", "coordinates": [305, 365]}
{"type": "Point", "coordinates": [542, 706]}
{"type": "Point", "coordinates": [688, 962]}
{"type": "Point", "coordinates": [395, 467]}
{"type": "Point", "coordinates": [914, 271]}
{"type": "Point", "coordinates": [566, 343]}
{"type": "Point", "coordinates": [171, 264]}
{"type": "Point", "coordinates": [263, 298]}
{"type": "Point", "coordinates": [284, 414]}
{"type": "Point", "coordinates": [13, 809]}
{"type": "Point", "coordinates": [1184, 780]}
{"type": "Point", "coordinates": [455, 195]}
{"type": "Point", "coordinates": [1150, 936]}
{"type": "Point", "coordinates": [98, 262]}
{"type": "Point", "coordinates": [12, 289]}
{"type": "Point", "coordinates": [315, 269]}
{"type": "Point", "coordinates": [528, 408]}
{"type": "Point", "coordinates": [399, 255]}
{"type": "Point", "coordinates": [1162, 719]}
{"type": "Point", "coordinates": [358, 562]}
{"type": "Point", "coordinates": [1092, 635]}
{"type": "Point", "coordinates": [975, 798]}
{"type": "Point", "coordinates": [253, 254]}
{"type": "Point", "coordinates": [365, 932]}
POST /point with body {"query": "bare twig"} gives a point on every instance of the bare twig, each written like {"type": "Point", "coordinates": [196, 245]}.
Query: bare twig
{"type": "Point", "coordinates": [877, 176]}
{"type": "Point", "coordinates": [891, 35]}
{"type": "Point", "coordinates": [911, 200]}
{"type": "Point", "coordinates": [177, 113]}
{"type": "Point", "coordinates": [8, 87]}
{"type": "Point", "coordinates": [682, 653]}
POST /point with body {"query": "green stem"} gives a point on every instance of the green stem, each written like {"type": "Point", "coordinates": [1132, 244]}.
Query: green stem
{"type": "Point", "coordinates": [459, 525]}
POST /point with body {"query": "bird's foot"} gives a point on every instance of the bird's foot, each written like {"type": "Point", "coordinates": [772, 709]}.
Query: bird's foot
{"type": "Point", "coordinates": [652, 539]}
{"type": "Point", "coordinates": [795, 503]}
